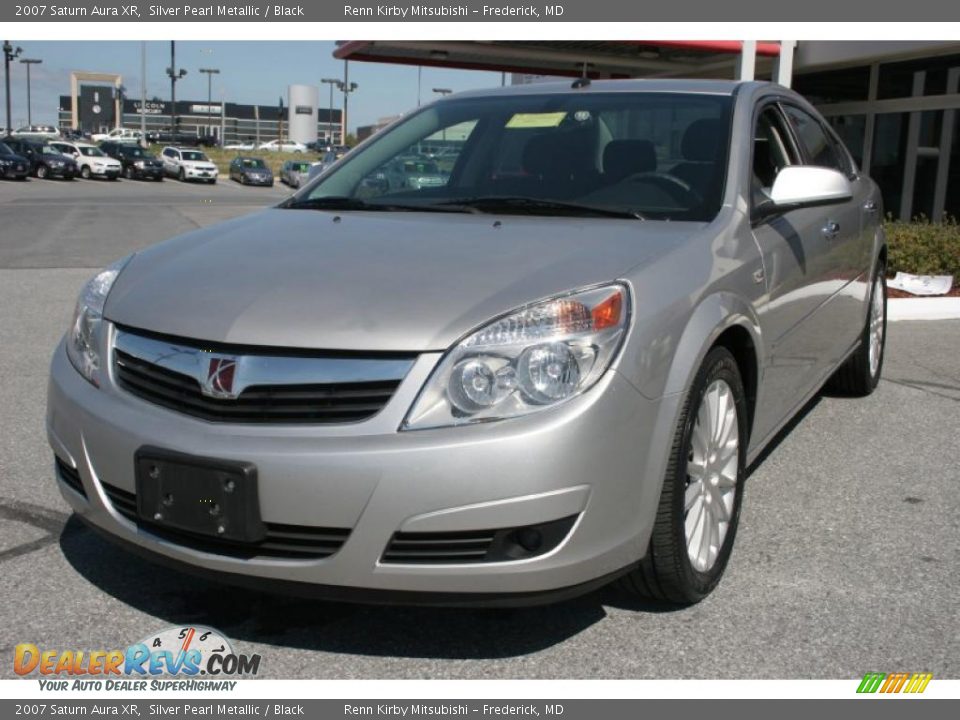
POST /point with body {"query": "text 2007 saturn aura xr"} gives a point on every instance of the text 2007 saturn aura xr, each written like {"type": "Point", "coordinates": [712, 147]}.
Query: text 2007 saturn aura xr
{"type": "Point", "coordinates": [522, 343]}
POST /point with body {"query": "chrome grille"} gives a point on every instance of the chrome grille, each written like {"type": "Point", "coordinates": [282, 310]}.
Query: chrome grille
{"type": "Point", "coordinates": [270, 387]}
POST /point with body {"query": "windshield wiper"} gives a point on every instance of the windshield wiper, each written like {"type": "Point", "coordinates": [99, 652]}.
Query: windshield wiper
{"type": "Point", "coordinates": [342, 202]}
{"type": "Point", "coordinates": [519, 203]}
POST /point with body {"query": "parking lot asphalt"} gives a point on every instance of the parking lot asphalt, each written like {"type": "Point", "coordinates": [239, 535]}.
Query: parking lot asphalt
{"type": "Point", "coordinates": [846, 559]}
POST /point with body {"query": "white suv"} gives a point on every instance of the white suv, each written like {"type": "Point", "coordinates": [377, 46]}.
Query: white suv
{"type": "Point", "coordinates": [188, 164]}
{"type": "Point", "coordinates": [91, 160]}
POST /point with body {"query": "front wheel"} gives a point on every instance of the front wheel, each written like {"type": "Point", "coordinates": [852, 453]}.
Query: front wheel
{"type": "Point", "coordinates": [699, 507]}
{"type": "Point", "coordinates": [128, 173]}
{"type": "Point", "coordinates": [85, 172]}
{"type": "Point", "coordinates": [42, 172]}
{"type": "Point", "coordinates": [860, 374]}
{"type": "Point", "coordinates": [183, 175]}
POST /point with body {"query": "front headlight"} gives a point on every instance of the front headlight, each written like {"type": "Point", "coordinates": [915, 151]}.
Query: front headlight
{"type": "Point", "coordinates": [140, 164]}
{"type": "Point", "coordinates": [533, 358]}
{"type": "Point", "coordinates": [85, 333]}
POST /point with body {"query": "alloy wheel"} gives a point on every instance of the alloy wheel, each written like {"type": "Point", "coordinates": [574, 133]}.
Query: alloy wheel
{"type": "Point", "coordinates": [877, 318]}
{"type": "Point", "coordinates": [712, 471]}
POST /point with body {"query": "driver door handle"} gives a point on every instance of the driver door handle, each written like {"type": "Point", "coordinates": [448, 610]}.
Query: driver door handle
{"type": "Point", "coordinates": [831, 230]}
{"type": "Point", "coordinates": [871, 206]}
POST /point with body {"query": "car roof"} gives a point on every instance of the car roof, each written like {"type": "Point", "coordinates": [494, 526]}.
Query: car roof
{"type": "Point", "coordinates": [703, 87]}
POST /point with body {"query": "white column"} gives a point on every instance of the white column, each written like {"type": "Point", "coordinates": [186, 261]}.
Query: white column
{"type": "Point", "coordinates": [747, 62]}
{"type": "Point", "coordinates": [783, 68]}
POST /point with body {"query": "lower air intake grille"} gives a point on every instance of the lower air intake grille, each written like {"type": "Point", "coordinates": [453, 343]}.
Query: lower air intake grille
{"type": "Point", "coordinates": [476, 546]}
{"type": "Point", "coordinates": [69, 477]}
{"type": "Point", "coordinates": [296, 542]}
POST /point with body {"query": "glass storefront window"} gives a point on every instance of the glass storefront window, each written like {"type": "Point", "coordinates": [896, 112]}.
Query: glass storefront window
{"type": "Point", "coordinates": [887, 162]}
{"type": "Point", "coordinates": [952, 205]}
{"type": "Point", "coordinates": [896, 79]}
{"type": "Point", "coordinates": [833, 86]}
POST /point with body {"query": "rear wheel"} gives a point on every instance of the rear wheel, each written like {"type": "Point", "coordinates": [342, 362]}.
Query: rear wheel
{"type": "Point", "coordinates": [860, 373]}
{"type": "Point", "coordinates": [699, 507]}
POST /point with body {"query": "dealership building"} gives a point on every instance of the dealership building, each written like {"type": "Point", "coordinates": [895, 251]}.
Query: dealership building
{"type": "Point", "coordinates": [97, 108]}
{"type": "Point", "coordinates": [894, 103]}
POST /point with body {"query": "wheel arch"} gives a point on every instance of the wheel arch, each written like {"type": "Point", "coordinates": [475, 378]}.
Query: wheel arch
{"type": "Point", "coordinates": [722, 319]}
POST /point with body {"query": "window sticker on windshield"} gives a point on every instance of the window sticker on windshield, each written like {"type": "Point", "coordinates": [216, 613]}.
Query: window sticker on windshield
{"type": "Point", "coordinates": [536, 120]}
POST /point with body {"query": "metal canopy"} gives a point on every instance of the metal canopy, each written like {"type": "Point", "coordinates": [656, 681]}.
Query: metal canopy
{"type": "Point", "coordinates": [599, 59]}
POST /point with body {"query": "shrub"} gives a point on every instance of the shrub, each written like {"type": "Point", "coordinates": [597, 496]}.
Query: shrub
{"type": "Point", "coordinates": [923, 247]}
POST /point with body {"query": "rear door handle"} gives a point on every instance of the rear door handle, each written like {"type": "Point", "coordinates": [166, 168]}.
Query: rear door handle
{"type": "Point", "coordinates": [831, 230]}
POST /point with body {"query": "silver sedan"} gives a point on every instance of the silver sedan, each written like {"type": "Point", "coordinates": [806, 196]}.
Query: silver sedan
{"type": "Point", "coordinates": [547, 372]}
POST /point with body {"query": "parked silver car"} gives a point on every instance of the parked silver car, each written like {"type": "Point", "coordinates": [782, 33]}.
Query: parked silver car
{"type": "Point", "coordinates": [294, 173]}
{"type": "Point", "coordinates": [545, 374]}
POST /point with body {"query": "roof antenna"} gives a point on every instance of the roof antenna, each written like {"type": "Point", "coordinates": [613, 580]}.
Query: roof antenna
{"type": "Point", "coordinates": [582, 81]}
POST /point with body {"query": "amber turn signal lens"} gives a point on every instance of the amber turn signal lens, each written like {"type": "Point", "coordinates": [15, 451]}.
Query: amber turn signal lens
{"type": "Point", "coordinates": [607, 313]}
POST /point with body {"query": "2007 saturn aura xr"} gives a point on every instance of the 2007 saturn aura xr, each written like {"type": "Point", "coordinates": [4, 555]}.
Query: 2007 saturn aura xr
{"type": "Point", "coordinates": [521, 343]}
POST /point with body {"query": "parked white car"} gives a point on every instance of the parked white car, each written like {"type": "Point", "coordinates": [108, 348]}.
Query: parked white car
{"type": "Point", "coordinates": [188, 164]}
{"type": "Point", "coordinates": [39, 132]}
{"type": "Point", "coordinates": [91, 160]}
{"type": "Point", "coordinates": [120, 135]}
{"type": "Point", "coordinates": [239, 146]}
{"type": "Point", "coordinates": [285, 146]}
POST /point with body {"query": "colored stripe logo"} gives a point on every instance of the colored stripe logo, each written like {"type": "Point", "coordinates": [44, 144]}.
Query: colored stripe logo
{"type": "Point", "coordinates": [913, 683]}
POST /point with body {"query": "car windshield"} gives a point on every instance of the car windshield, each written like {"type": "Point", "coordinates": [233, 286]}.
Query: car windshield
{"type": "Point", "coordinates": [650, 155]}
{"type": "Point", "coordinates": [193, 155]}
{"type": "Point", "coordinates": [5, 150]}
{"type": "Point", "coordinates": [252, 163]}
{"type": "Point", "coordinates": [135, 152]}
{"type": "Point", "coordinates": [50, 150]}
{"type": "Point", "coordinates": [91, 152]}
{"type": "Point", "coordinates": [300, 167]}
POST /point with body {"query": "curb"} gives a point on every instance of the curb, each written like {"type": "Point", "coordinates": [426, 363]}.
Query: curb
{"type": "Point", "coordinates": [936, 308]}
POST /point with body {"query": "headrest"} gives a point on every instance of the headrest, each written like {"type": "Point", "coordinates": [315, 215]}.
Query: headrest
{"type": "Point", "coordinates": [701, 140]}
{"type": "Point", "coordinates": [622, 158]}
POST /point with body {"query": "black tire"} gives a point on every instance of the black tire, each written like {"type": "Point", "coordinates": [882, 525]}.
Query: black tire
{"type": "Point", "coordinates": [213, 182]}
{"type": "Point", "coordinates": [128, 172]}
{"type": "Point", "coordinates": [183, 175]}
{"type": "Point", "coordinates": [666, 573]}
{"type": "Point", "coordinates": [855, 378]}
{"type": "Point", "coordinates": [85, 172]}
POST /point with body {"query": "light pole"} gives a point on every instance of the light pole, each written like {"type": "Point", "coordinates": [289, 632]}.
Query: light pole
{"type": "Point", "coordinates": [332, 82]}
{"type": "Point", "coordinates": [174, 75]}
{"type": "Point", "coordinates": [346, 87]}
{"type": "Point", "coordinates": [28, 62]}
{"type": "Point", "coordinates": [209, 72]}
{"type": "Point", "coordinates": [9, 53]}
{"type": "Point", "coordinates": [443, 92]}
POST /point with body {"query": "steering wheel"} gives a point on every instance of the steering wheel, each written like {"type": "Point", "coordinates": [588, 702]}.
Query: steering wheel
{"type": "Point", "coordinates": [669, 183]}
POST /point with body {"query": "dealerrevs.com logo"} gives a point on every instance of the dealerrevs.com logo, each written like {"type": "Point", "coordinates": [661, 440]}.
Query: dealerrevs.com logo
{"type": "Point", "coordinates": [177, 652]}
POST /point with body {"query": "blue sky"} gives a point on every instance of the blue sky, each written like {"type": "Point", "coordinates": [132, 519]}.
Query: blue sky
{"type": "Point", "coordinates": [251, 72]}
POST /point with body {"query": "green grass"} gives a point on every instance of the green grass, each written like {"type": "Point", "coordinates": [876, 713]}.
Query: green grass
{"type": "Point", "coordinates": [222, 158]}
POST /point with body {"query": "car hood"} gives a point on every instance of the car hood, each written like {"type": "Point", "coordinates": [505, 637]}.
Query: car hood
{"type": "Point", "coordinates": [370, 281]}
{"type": "Point", "coordinates": [198, 164]}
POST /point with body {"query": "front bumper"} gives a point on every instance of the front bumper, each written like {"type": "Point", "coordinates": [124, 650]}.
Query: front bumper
{"type": "Point", "coordinates": [108, 172]}
{"type": "Point", "coordinates": [255, 180]}
{"type": "Point", "coordinates": [13, 173]}
{"type": "Point", "coordinates": [195, 174]}
{"type": "Point", "coordinates": [151, 173]}
{"type": "Point", "coordinates": [595, 458]}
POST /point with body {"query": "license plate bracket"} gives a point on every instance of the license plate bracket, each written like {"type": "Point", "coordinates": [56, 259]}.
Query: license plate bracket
{"type": "Point", "coordinates": [204, 496]}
